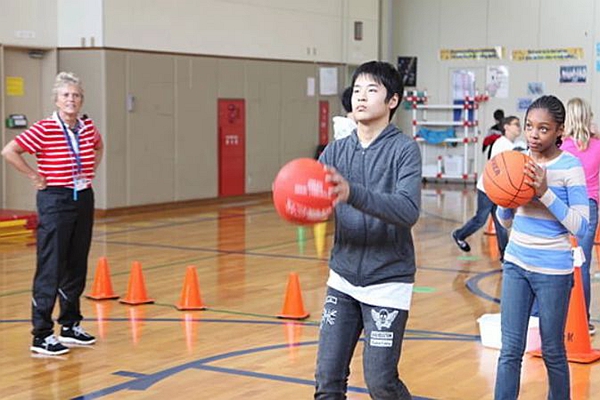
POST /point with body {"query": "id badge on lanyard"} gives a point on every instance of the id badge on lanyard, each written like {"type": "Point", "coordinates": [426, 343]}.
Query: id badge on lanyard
{"type": "Point", "coordinates": [80, 182]}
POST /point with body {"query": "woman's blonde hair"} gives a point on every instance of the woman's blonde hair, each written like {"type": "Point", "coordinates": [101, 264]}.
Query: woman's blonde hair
{"type": "Point", "coordinates": [578, 121]}
{"type": "Point", "coordinates": [66, 78]}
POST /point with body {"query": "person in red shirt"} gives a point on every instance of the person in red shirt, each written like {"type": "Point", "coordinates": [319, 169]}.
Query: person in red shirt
{"type": "Point", "coordinates": [68, 150]}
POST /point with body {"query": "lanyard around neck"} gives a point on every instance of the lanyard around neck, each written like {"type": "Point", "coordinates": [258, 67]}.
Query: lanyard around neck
{"type": "Point", "coordinates": [72, 139]}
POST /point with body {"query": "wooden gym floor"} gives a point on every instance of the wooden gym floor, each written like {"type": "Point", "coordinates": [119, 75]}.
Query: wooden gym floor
{"type": "Point", "coordinates": [236, 348]}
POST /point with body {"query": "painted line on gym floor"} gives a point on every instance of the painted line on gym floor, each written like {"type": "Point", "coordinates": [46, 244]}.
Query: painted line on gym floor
{"type": "Point", "coordinates": [142, 382]}
{"type": "Point", "coordinates": [472, 285]}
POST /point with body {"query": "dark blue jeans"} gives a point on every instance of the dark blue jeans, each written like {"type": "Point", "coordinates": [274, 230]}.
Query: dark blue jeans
{"type": "Point", "coordinates": [587, 245]}
{"type": "Point", "coordinates": [343, 320]}
{"type": "Point", "coordinates": [484, 208]}
{"type": "Point", "coordinates": [519, 287]}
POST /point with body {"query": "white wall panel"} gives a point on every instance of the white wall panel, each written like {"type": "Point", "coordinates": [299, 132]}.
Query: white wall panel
{"type": "Point", "coordinates": [80, 23]}
{"type": "Point", "coordinates": [308, 30]}
{"type": "Point", "coordinates": [28, 23]}
{"type": "Point", "coordinates": [359, 51]}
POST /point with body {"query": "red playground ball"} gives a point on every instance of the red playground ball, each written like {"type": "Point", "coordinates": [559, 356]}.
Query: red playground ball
{"type": "Point", "coordinates": [300, 193]}
{"type": "Point", "coordinates": [504, 180]}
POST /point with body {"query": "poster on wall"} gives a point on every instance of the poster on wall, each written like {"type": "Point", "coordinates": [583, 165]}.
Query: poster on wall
{"type": "Point", "coordinates": [496, 81]}
{"type": "Point", "coordinates": [535, 88]}
{"type": "Point", "coordinates": [328, 81]}
{"type": "Point", "coordinates": [407, 66]}
{"type": "Point", "coordinates": [463, 84]}
{"type": "Point", "coordinates": [573, 74]}
{"type": "Point", "coordinates": [523, 104]}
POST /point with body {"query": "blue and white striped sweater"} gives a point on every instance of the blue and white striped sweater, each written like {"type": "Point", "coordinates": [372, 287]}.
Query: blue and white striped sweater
{"type": "Point", "coordinates": [539, 238]}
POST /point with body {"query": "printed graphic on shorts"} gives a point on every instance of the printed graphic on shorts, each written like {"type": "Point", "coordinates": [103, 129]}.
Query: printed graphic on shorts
{"type": "Point", "coordinates": [328, 317]}
{"type": "Point", "coordinates": [383, 318]}
{"type": "Point", "coordinates": [381, 339]}
{"type": "Point", "coordinates": [331, 300]}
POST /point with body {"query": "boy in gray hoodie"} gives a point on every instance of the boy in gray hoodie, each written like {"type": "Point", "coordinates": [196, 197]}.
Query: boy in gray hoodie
{"type": "Point", "coordinates": [377, 184]}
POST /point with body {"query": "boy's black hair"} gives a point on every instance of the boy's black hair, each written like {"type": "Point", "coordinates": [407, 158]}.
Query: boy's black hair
{"type": "Point", "coordinates": [554, 106]}
{"type": "Point", "coordinates": [499, 115]}
{"type": "Point", "coordinates": [347, 99]}
{"type": "Point", "coordinates": [386, 74]}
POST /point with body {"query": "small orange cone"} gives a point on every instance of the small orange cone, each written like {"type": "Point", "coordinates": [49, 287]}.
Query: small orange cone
{"type": "Point", "coordinates": [136, 289]}
{"type": "Point", "coordinates": [102, 288]}
{"type": "Point", "coordinates": [597, 238]}
{"type": "Point", "coordinates": [190, 294]}
{"type": "Point", "coordinates": [490, 229]}
{"type": "Point", "coordinates": [577, 335]}
{"type": "Point", "coordinates": [293, 306]}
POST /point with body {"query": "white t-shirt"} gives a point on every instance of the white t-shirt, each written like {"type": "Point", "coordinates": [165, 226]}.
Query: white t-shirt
{"type": "Point", "coordinates": [501, 144]}
{"type": "Point", "coordinates": [342, 127]}
{"type": "Point", "coordinates": [396, 295]}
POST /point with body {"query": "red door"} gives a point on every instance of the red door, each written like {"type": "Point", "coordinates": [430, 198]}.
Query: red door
{"type": "Point", "coordinates": [232, 147]}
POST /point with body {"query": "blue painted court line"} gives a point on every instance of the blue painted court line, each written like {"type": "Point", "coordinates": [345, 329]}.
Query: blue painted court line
{"type": "Point", "coordinates": [473, 285]}
{"type": "Point", "coordinates": [142, 382]}
{"type": "Point", "coordinates": [128, 374]}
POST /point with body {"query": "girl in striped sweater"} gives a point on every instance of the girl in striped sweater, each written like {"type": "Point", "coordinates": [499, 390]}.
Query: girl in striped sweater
{"type": "Point", "coordinates": [538, 261]}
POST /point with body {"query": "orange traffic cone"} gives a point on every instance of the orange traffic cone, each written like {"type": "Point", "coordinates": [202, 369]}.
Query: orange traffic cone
{"type": "Point", "coordinates": [102, 288]}
{"type": "Point", "coordinates": [293, 306]}
{"type": "Point", "coordinates": [190, 294]}
{"type": "Point", "coordinates": [136, 290]}
{"type": "Point", "coordinates": [597, 238]}
{"type": "Point", "coordinates": [577, 335]}
{"type": "Point", "coordinates": [490, 229]}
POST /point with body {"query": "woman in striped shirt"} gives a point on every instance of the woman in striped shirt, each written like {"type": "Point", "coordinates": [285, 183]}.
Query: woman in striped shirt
{"type": "Point", "coordinates": [538, 262]}
{"type": "Point", "coordinates": [68, 150]}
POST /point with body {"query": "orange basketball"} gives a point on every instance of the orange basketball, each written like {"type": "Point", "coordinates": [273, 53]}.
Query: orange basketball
{"type": "Point", "coordinates": [300, 193]}
{"type": "Point", "coordinates": [504, 180]}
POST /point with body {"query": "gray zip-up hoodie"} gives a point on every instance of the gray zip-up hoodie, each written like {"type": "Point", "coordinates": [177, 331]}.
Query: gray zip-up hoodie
{"type": "Point", "coordinates": [373, 241]}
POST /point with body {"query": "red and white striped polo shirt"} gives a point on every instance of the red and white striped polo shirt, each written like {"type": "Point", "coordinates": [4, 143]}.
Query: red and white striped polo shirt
{"type": "Point", "coordinates": [47, 140]}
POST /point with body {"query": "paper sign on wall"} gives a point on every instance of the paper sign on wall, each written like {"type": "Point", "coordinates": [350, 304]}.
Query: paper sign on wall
{"type": "Point", "coordinates": [328, 81]}
{"type": "Point", "coordinates": [497, 81]}
{"type": "Point", "coordinates": [15, 86]}
{"type": "Point", "coordinates": [463, 84]}
{"type": "Point", "coordinates": [310, 87]}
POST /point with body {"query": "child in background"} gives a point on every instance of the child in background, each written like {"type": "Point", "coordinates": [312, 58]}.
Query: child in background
{"type": "Point", "coordinates": [579, 141]}
{"type": "Point", "coordinates": [344, 126]}
{"type": "Point", "coordinates": [538, 262]}
{"type": "Point", "coordinates": [511, 130]}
